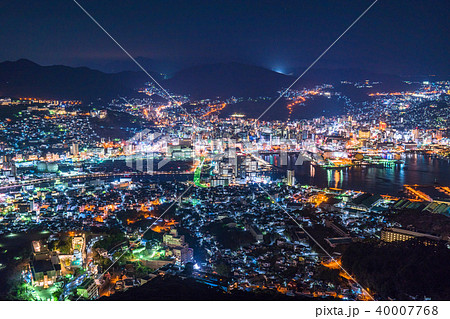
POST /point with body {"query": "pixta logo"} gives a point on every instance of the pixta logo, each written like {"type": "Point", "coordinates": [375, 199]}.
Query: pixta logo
{"type": "Point", "coordinates": [144, 149]}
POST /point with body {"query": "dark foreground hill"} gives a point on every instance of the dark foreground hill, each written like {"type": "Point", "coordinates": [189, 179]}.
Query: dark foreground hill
{"type": "Point", "coordinates": [178, 289]}
{"type": "Point", "coordinates": [401, 270]}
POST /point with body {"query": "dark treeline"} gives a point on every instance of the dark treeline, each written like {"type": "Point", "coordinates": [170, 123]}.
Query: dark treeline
{"type": "Point", "coordinates": [402, 271]}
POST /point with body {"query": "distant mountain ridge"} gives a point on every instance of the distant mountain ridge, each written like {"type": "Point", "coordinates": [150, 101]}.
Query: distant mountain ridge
{"type": "Point", "coordinates": [228, 79]}
{"type": "Point", "coordinates": [24, 78]}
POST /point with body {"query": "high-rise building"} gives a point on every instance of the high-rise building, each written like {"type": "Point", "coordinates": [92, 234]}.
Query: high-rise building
{"type": "Point", "coordinates": [74, 149]}
{"type": "Point", "coordinates": [179, 247]}
{"type": "Point", "coordinates": [290, 177]}
{"type": "Point", "coordinates": [415, 134]}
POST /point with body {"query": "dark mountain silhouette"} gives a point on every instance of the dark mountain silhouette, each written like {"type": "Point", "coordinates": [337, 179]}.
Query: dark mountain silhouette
{"type": "Point", "coordinates": [175, 288]}
{"type": "Point", "coordinates": [24, 78]}
{"type": "Point", "coordinates": [237, 79]}
{"type": "Point", "coordinates": [227, 79]}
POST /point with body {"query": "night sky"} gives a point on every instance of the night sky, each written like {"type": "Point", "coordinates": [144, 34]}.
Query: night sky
{"type": "Point", "coordinates": [396, 36]}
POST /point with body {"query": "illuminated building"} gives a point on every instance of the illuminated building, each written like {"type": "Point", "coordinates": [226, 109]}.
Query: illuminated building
{"type": "Point", "coordinates": [397, 234]}
{"type": "Point", "coordinates": [44, 273]}
{"type": "Point", "coordinates": [44, 268]}
{"type": "Point", "coordinates": [180, 248]}
{"type": "Point", "coordinates": [181, 151]}
{"type": "Point", "coordinates": [364, 134]}
{"type": "Point", "coordinates": [77, 243]}
{"type": "Point", "coordinates": [74, 149]}
{"type": "Point", "coordinates": [415, 134]}
{"type": "Point", "coordinates": [172, 239]}
{"type": "Point", "coordinates": [438, 208]}
{"type": "Point", "coordinates": [5, 101]}
{"type": "Point", "coordinates": [290, 177]}
{"type": "Point", "coordinates": [183, 253]}
{"type": "Point", "coordinates": [78, 247]}
{"type": "Point", "coordinates": [40, 250]}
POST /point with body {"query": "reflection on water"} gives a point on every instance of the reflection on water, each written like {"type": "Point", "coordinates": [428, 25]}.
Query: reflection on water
{"type": "Point", "coordinates": [417, 169]}
{"type": "Point", "coordinates": [334, 178]}
{"type": "Point", "coordinates": [312, 170]}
